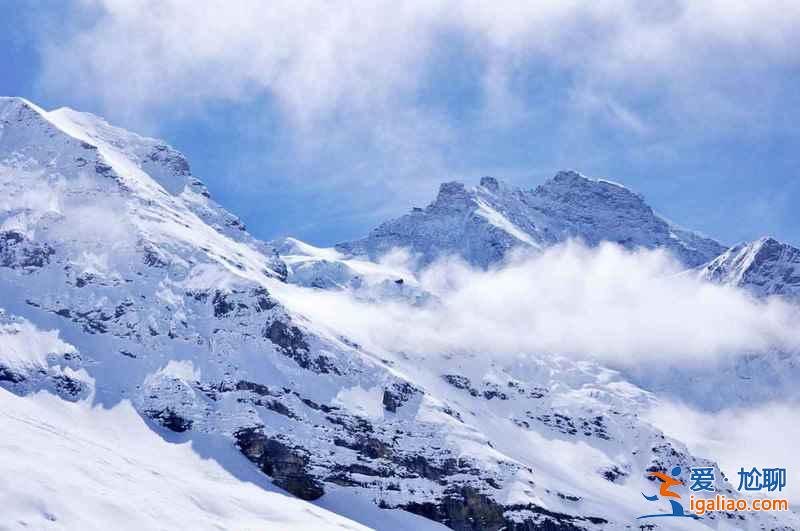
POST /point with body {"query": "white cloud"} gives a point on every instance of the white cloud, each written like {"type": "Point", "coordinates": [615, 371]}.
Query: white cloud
{"type": "Point", "coordinates": [313, 57]}
{"type": "Point", "coordinates": [762, 437]}
{"type": "Point", "coordinates": [386, 99]}
{"type": "Point", "coordinates": [25, 192]}
{"type": "Point", "coordinates": [31, 202]}
{"type": "Point", "coordinates": [322, 58]}
{"type": "Point", "coordinates": [23, 346]}
{"type": "Point", "coordinates": [627, 309]}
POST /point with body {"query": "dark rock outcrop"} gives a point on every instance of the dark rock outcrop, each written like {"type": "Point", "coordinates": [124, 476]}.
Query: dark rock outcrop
{"type": "Point", "coordinates": [466, 509]}
{"type": "Point", "coordinates": [18, 252]}
{"type": "Point", "coordinates": [291, 341]}
{"type": "Point", "coordinates": [287, 466]}
{"type": "Point", "coordinates": [170, 419]}
{"type": "Point", "coordinates": [396, 395]}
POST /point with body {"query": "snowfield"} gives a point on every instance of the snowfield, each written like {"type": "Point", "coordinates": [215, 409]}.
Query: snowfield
{"type": "Point", "coordinates": [75, 466]}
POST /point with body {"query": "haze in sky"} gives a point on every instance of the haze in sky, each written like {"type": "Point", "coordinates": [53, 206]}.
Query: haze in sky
{"type": "Point", "coordinates": [320, 120]}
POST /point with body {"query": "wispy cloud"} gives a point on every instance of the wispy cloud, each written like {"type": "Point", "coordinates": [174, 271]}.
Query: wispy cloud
{"type": "Point", "coordinates": [622, 308]}
{"type": "Point", "coordinates": [321, 58]}
{"type": "Point", "coordinates": [385, 99]}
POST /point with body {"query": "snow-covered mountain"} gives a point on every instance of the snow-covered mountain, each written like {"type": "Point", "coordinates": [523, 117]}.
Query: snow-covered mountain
{"type": "Point", "coordinates": [764, 267]}
{"type": "Point", "coordinates": [125, 287]}
{"type": "Point", "coordinates": [483, 223]}
{"type": "Point", "coordinates": [327, 268]}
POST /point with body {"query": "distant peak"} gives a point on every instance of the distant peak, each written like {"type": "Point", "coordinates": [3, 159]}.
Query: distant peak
{"type": "Point", "coordinates": [450, 192]}
{"type": "Point", "coordinates": [569, 181]}
{"type": "Point", "coordinates": [572, 177]}
{"type": "Point", "coordinates": [764, 266]}
{"type": "Point", "coordinates": [490, 183]}
{"type": "Point", "coordinates": [768, 248]}
{"type": "Point", "coordinates": [569, 176]}
{"type": "Point", "coordinates": [10, 104]}
{"type": "Point", "coordinates": [451, 187]}
{"type": "Point", "coordinates": [453, 195]}
{"type": "Point", "coordinates": [765, 243]}
{"type": "Point", "coordinates": [15, 100]}
{"type": "Point", "coordinates": [768, 241]}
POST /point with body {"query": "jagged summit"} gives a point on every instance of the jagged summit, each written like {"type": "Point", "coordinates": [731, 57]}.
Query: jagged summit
{"type": "Point", "coordinates": [571, 185]}
{"type": "Point", "coordinates": [482, 223]}
{"type": "Point", "coordinates": [11, 103]}
{"type": "Point", "coordinates": [452, 197]}
{"type": "Point", "coordinates": [74, 139]}
{"type": "Point", "coordinates": [764, 267]}
{"type": "Point", "coordinates": [491, 184]}
{"type": "Point", "coordinates": [140, 188]}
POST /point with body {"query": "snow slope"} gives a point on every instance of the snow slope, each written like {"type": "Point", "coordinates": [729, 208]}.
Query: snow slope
{"type": "Point", "coordinates": [75, 466]}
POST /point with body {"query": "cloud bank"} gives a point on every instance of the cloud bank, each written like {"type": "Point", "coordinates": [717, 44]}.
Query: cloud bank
{"type": "Point", "coordinates": [621, 307]}
{"type": "Point", "coordinates": [361, 108]}
{"type": "Point", "coordinates": [322, 58]}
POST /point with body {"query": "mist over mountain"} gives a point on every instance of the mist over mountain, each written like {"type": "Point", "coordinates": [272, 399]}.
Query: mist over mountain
{"type": "Point", "coordinates": [485, 362]}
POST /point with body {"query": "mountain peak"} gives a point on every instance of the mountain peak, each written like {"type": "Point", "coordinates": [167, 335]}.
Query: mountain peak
{"type": "Point", "coordinates": [453, 196]}
{"type": "Point", "coordinates": [136, 185]}
{"type": "Point", "coordinates": [16, 112]}
{"type": "Point", "coordinates": [72, 140]}
{"type": "Point", "coordinates": [569, 181]}
{"type": "Point", "coordinates": [765, 248]}
{"type": "Point", "coordinates": [569, 176]}
{"type": "Point", "coordinates": [768, 242]}
{"type": "Point", "coordinates": [11, 103]}
{"type": "Point", "coordinates": [482, 224]}
{"type": "Point", "coordinates": [452, 189]}
{"type": "Point", "coordinates": [490, 183]}
{"type": "Point", "coordinates": [764, 266]}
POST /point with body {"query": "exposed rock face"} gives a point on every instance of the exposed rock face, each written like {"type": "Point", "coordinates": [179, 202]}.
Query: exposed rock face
{"type": "Point", "coordinates": [170, 419]}
{"type": "Point", "coordinates": [286, 465]}
{"type": "Point", "coordinates": [397, 394]}
{"type": "Point", "coordinates": [468, 510]}
{"type": "Point", "coordinates": [482, 224]}
{"type": "Point", "coordinates": [600, 210]}
{"type": "Point", "coordinates": [764, 267]}
{"type": "Point", "coordinates": [174, 306]}
{"type": "Point", "coordinates": [16, 251]}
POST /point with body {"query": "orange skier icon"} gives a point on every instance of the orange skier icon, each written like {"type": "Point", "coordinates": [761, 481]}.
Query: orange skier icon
{"type": "Point", "coordinates": [668, 483]}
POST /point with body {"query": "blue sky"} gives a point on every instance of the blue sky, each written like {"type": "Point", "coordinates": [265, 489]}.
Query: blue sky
{"type": "Point", "coordinates": [321, 119]}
